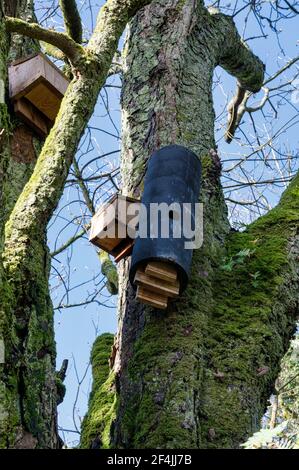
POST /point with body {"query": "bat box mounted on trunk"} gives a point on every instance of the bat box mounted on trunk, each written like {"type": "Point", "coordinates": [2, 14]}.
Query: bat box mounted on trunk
{"type": "Point", "coordinates": [36, 88]}
{"type": "Point", "coordinates": [112, 228]}
{"type": "Point", "coordinates": [161, 260]}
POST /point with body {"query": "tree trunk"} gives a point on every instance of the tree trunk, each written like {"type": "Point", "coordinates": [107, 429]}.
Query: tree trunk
{"type": "Point", "coordinates": [29, 386]}
{"type": "Point", "coordinates": [192, 377]}
{"type": "Point", "coordinates": [28, 378]}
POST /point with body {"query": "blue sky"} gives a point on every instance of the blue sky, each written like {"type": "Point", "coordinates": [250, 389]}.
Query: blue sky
{"type": "Point", "coordinates": [78, 267]}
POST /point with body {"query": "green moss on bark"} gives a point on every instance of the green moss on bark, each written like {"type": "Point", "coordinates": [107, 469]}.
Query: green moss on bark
{"type": "Point", "coordinates": [28, 314]}
{"type": "Point", "coordinates": [199, 374]}
{"type": "Point", "coordinates": [96, 425]}
{"type": "Point", "coordinates": [255, 306]}
{"type": "Point", "coordinates": [108, 269]}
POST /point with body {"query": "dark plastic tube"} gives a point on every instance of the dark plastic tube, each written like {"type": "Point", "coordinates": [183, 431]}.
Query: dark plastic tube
{"type": "Point", "coordinates": [173, 176]}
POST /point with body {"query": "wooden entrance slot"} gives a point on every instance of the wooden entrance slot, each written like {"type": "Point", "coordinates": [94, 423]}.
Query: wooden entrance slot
{"type": "Point", "coordinates": [157, 283]}
{"type": "Point", "coordinates": [109, 227]}
{"type": "Point", "coordinates": [36, 88]}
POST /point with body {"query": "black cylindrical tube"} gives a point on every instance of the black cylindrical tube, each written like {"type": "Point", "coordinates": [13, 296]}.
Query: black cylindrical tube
{"type": "Point", "coordinates": [173, 176]}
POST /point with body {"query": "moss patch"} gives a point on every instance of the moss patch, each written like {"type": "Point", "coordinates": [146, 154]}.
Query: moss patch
{"type": "Point", "coordinates": [102, 401]}
{"type": "Point", "coordinates": [250, 324]}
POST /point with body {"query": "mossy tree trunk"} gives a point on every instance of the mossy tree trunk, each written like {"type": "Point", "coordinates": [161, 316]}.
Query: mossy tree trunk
{"type": "Point", "coordinates": [191, 377]}
{"type": "Point", "coordinates": [32, 182]}
{"type": "Point", "coordinates": [27, 408]}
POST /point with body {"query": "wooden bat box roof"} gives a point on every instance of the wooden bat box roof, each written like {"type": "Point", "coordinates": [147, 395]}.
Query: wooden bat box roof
{"type": "Point", "coordinates": [37, 86]}
{"type": "Point", "coordinates": [119, 245]}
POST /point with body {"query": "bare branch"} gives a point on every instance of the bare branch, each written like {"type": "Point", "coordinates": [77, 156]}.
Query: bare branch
{"type": "Point", "coordinates": [62, 41]}
{"type": "Point", "coordinates": [283, 69]}
{"type": "Point", "coordinates": [237, 107]}
{"type": "Point", "coordinates": [70, 241]}
{"type": "Point", "coordinates": [72, 19]}
{"type": "Point", "coordinates": [236, 110]}
{"type": "Point", "coordinates": [291, 7]}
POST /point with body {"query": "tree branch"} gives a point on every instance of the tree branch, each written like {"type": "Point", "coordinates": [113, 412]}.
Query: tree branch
{"type": "Point", "coordinates": [238, 60]}
{"type": "Point", "coordinates": [237, 107]}
{"type": "Point", "coordinates": [72, 19]}
{"type": "Point", "coordinates": [108, 269]}
{"type": "Point", "coordinates": [25, 230]}
{"type": "Point", "coordinates": [111, 21]}
{"type": "Point", "coordinates": [236, 110]}
{"type": "Point", "coordinates": [292, 7]}
{"type": "Point", "coordinates": [70, 241]}
{"type": "Point", "coordinates": [52, 51]}
{"type": "Point", "coordinates": [62, 41]}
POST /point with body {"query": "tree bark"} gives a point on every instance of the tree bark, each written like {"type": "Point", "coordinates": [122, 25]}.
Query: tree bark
{"type": "Point", "coordinates": [29, 384]}
{"type": "Point", "coordinates": [191, 377]}
{"type": "Point", "coordinates": [24, 399]}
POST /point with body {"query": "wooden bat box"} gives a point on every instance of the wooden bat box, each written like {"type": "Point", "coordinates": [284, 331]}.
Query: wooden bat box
{"type": "Point", "coordinates": [36, 87]}
{"type": "Point", "coordinates": [157, 283]}
{"type": "Point", "coordinates": [109, 227]}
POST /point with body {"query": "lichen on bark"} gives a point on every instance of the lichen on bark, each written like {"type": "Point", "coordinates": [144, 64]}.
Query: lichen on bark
{"type": "Point", "coordinates": [174, 369]}
{"type": "Point", "coordinates": [13, 177]}
{"type": "Point", "coordinates": [28, 375]}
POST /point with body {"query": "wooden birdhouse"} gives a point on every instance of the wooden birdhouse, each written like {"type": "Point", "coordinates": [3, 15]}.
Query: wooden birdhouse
{"type": "Point", "coordinates": [109, 227]}
{"type": "Point", "coordinates": [36, 88]}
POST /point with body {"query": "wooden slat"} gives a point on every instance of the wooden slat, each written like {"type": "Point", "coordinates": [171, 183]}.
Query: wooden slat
{"type": "Point", "coordinates": [44, 99]}
{"type": "Point", "coordinates": [105, 217]}
{"type": "Point", "coordinates": [25, 73]}
{"type": "Point", "coordinates": [161, 270]}
{"type": "Point", "coordinates": [105, 205]}
{"type": "Point", "coordinates": [107, 244]}
{"type": "Point", "coordinates": [102, 238]}
{"type": "Point", "coordinates": [124, 250]}
{"type": "Point", "coordinates": [31, 116]}
{"type": "Point", "coordinates": [157, 285]}
{"type": "Point", "coordinates": [151, 298]}
{"type": "Point", "coordinates": [54, 75]}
